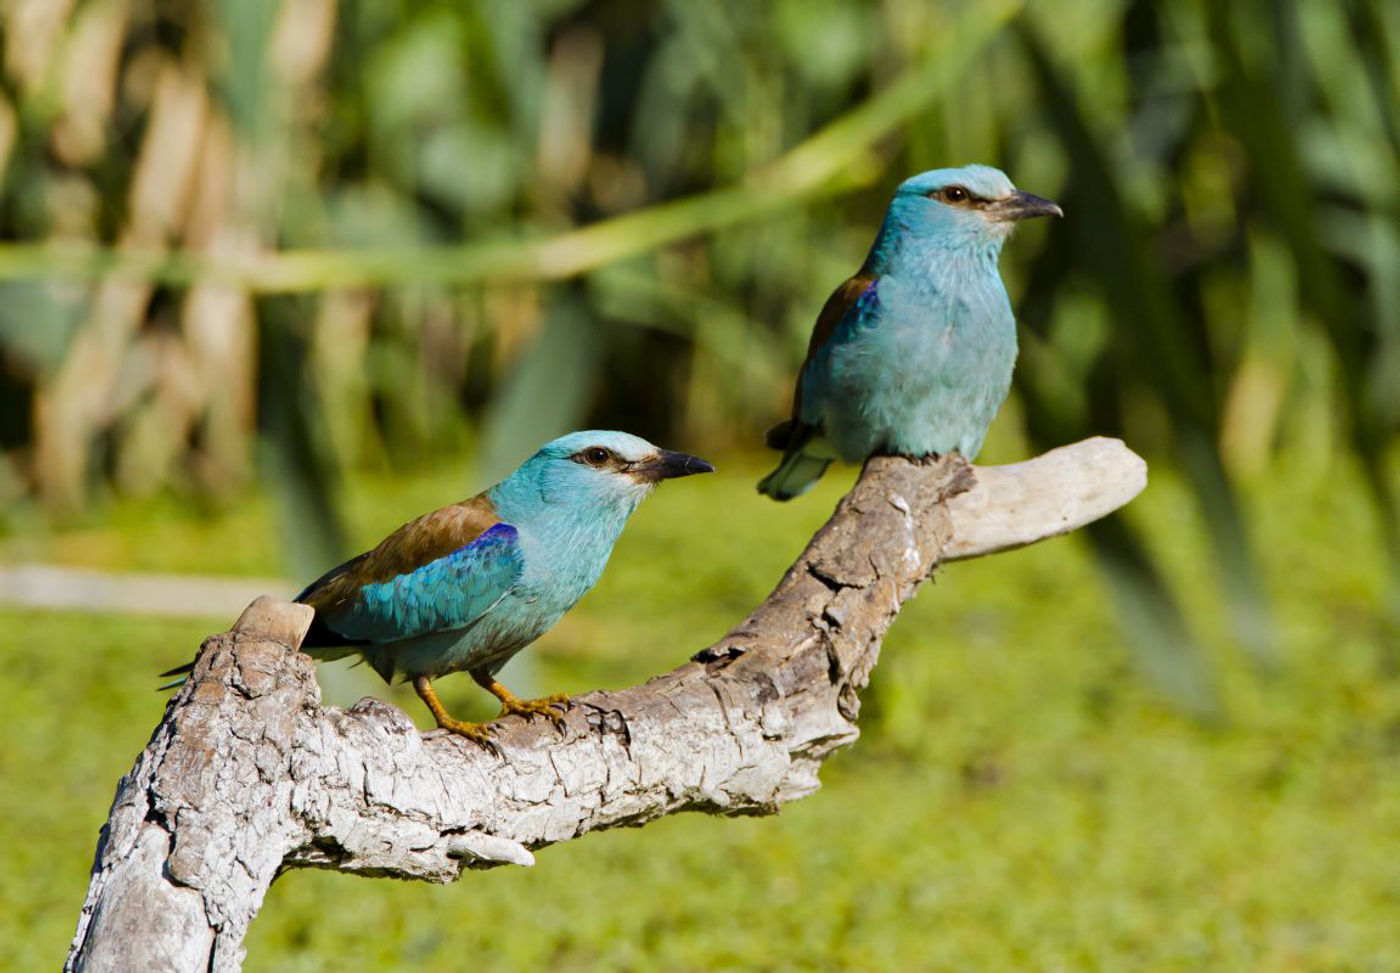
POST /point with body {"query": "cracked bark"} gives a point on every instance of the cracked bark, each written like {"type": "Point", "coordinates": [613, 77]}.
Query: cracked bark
{"type": "Point", "coordinates": [248, 775]}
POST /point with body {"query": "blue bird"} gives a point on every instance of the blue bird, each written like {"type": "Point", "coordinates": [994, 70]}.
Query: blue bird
{"type": "Point", "coordinates": [913, 355]}
{"type": "Point", "coordinates": [470, 585]}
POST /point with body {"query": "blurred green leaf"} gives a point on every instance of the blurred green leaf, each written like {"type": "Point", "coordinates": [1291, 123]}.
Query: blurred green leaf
{"type": "Point", "coordinates": [545, 395]}
{"type": "Point", "coordinates": [37, 320]}
{"type": "Point", "coordinates": [247, 27]}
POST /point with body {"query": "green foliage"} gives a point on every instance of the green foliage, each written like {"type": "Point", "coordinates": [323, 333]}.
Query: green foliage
{"type": "Point", "coordinates": [1017, 800]}
{"type": "Point", "coordinates": [510, 219]}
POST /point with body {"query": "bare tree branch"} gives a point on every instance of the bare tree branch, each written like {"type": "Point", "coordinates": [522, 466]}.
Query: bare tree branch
{"type": "Point", "coordinates": [248, 775]}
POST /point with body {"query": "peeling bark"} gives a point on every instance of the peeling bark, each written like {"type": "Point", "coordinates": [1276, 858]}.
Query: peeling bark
{"type": "Point", "coordinates": [248, 775]}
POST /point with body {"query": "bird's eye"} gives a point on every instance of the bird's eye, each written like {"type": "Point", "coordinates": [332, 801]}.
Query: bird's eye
{"type": "Point", "coordinates": [596, 456]}
{"type": "Point", "coordinates": [955, 194]}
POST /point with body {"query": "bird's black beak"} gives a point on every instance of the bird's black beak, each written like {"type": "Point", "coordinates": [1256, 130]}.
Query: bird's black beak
{"type": "Point", "coordinates": [1023, 206]}
{"type": "Point", "coordinates": [667, 465]}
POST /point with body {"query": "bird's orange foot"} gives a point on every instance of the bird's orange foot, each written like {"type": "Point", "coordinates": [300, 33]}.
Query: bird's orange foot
{"type": "Point", "coordinates": [478, 732]}
{"type": "Point", "coordinates": [552, 708]}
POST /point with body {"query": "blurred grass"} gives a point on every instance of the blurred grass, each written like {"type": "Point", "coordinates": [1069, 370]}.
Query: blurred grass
{"type": "Point", "coordinates": [1018, 800]}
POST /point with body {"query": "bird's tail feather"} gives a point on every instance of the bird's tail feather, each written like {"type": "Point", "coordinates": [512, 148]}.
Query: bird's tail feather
{"type": "Point", "coordinates": [329, 653]}
{"type": "Point", "coordinates": [794, 475]}
{"type": "Point", "coordinates": [325, 653]}
{"type": "Point", "coordinates": [780, 437]}
{"type": "Point", "coordinates": [182, 671]}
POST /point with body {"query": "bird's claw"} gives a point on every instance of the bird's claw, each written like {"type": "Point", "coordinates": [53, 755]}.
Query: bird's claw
{"type": "Point", "coordinates": [552, 708]}
{"type": "Point", "coordinates": [476, 732]}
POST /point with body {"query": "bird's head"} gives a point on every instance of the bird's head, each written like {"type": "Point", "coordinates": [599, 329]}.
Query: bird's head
{"type": "Point", "coordinates": [973, 205]}
{"type": "Point", "coordinates": [600, 469]}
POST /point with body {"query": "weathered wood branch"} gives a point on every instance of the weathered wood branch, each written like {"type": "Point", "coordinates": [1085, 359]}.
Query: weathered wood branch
{"type": "Point", "coordinates": [248, 775]}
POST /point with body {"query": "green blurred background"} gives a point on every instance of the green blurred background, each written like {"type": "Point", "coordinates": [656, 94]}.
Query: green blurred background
{"type": "Point", "coordinates": [276, 275]}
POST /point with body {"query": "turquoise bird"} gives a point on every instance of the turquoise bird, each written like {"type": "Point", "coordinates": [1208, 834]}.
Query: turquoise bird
{"type": "Point", "coordinates": [913, 355]}
{"type": "Point", "coordinates": [470, 585]}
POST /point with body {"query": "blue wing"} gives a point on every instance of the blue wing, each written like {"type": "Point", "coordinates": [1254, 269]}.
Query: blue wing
{"type": "Point", "coordinates": [448, 593]}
